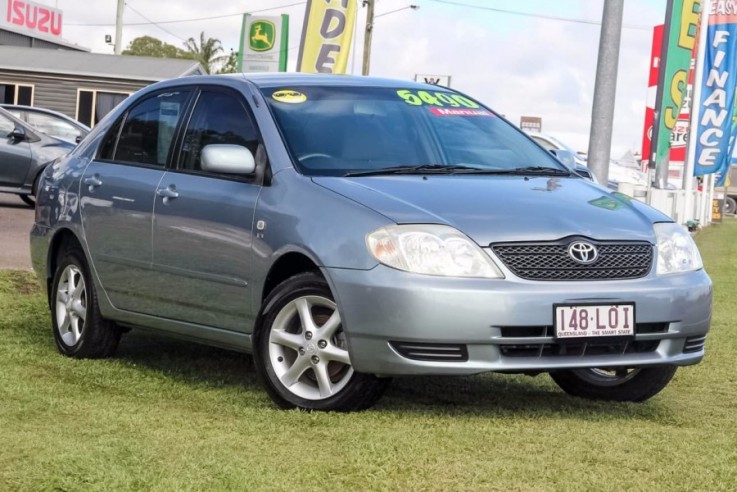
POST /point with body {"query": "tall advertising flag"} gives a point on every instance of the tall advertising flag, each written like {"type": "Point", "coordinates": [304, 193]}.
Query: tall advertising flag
{"type": "Point", "coordinates": [263, 44]}
{"type": "Point", "coordinates": [326, 36]}
{"type": "Point", "coordinates": [682, 21]}
{"type": "Point", "coordinates": [716, 126]}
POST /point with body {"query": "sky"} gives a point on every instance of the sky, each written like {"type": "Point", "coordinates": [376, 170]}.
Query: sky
{"type": "Point", "coordinates": [527, 57]}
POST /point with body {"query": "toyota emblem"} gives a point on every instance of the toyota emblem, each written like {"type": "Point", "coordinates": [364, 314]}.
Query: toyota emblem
{"type": "Point", "coordinates": [583, 252]}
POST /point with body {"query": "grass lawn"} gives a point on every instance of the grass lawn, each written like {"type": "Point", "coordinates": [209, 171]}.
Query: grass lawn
{"type": "Point", "coordinates": [167, 415]}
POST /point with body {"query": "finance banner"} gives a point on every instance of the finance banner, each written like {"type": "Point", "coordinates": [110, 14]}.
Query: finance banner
{"type": "Point", "coordinates": [326, 36]}
{"type": "Point", "coordinates": [716, 117]}
{"type": "Point", "coordinates": [264, 42]}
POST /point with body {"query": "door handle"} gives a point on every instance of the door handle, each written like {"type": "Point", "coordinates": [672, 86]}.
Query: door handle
{"type": "Point", "coordinates": [93, 182]}
{"type": "Point", "coordinates": [168, 193]}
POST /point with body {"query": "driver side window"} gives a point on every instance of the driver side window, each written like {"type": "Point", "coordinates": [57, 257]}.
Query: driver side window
{"type": "Point", "coordinates": [218, 118]}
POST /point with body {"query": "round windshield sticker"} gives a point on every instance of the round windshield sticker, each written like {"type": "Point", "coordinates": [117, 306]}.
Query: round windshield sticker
{"type": "Point", "coordinates": [289, 96]}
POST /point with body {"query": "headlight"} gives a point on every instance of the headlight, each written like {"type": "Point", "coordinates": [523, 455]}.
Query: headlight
{"type": "Point", "coordinates": [431, 250]}
{"type": "Point", "coordinates": [677, 252]}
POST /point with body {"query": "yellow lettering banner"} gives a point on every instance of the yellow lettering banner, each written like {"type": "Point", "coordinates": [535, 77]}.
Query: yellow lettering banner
{"type": "Point", "coordinates": [326, 36]}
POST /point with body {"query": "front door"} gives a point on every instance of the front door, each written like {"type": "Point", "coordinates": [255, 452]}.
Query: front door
{"type": "Point", "coordinates": [203, 222]}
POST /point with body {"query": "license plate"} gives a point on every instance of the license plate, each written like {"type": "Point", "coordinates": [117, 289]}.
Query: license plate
{"type": "Point", "coordinates": [597, 320]}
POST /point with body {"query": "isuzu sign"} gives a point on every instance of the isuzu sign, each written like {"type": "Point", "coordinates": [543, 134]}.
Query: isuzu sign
{"type": "Point", "coordinates": [31, 18]}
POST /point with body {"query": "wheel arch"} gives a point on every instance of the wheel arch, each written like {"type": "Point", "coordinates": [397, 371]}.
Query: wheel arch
{"type": "Point", "coordinates": [63, 240]}
{"type": "Point", "coordinates": [287, 265]}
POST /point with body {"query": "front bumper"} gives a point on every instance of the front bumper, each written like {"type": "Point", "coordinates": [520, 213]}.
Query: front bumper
{"type": "Point", "coordinates": [506, 325]}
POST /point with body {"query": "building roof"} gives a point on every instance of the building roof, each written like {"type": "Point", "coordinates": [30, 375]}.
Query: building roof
{"type": "Point", "coordinates": [78, 63]}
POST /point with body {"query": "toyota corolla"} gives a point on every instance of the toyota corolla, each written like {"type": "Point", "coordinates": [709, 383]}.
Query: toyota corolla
{"type": "Point", "coordinates": [348, 230]}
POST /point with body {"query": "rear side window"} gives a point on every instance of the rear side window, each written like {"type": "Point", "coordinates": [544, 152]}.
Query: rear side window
{"type": "Point", "coordinates": [218, 118]}
{"type": "Point", "coordinates": [149, 127]}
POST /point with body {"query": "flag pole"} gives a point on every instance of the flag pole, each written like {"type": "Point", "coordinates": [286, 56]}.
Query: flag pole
{"type": "Point", "coordinates": [688, 171]}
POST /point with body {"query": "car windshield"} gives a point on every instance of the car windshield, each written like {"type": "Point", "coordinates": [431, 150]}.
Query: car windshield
{"type": "Point", "coordinates": [338, 131]}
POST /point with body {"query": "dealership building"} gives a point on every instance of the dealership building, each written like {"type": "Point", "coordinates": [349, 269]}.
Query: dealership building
{"type": "Point", "coordinates": [38, 68]}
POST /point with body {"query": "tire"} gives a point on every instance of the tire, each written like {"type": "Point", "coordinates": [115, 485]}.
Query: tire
{"type": "Point", "coordinates": [615, 384]}
{"type": "Point", "coordinates": [79, 329]}
{"type": "Point", "coordinates": [301, 355]}
{"type": "Point", "coordinates": [730, 205]}
{"type": "Point", "coordinates": [29, 200]}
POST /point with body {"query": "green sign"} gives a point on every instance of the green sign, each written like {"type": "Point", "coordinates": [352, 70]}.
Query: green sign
{"type": "Point", "coordinates": [264, 44]}
{"type": "Point", "coordinates": [262, 35]}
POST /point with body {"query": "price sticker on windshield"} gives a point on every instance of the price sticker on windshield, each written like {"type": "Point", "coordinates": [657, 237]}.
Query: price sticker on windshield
{"type": "Point", "coordinates": [439, 99]}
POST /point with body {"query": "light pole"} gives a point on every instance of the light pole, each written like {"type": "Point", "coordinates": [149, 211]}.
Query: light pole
{"type": "Point", "coordinates": [370, 27]}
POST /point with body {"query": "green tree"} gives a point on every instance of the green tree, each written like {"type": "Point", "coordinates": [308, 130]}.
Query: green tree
{"type": "Point", "coordinates": [150, 46]}
{"type": "Point", "coordinates": [231, 64]}
{"type": "Point", "coordinates": [209, 52]}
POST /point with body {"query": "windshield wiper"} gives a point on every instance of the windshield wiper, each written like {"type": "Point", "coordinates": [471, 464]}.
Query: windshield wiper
{"type": "Point", "coordinates": [421, 169]}
{"type": "Point", "coordinates": [461, 169]}
{"type": "Point", "coordinates": [533, 171]}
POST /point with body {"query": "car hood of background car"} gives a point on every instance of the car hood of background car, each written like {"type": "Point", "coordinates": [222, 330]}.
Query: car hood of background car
{"type": "Point", "coordinates": [492, 209]}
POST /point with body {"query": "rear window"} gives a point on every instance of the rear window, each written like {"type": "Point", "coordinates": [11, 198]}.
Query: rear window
{"type": "Point", "coordinates": [338, 130]}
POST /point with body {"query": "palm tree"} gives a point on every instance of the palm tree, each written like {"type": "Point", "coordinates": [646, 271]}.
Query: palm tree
{"type": "Point", "coordinates": [209, 52]}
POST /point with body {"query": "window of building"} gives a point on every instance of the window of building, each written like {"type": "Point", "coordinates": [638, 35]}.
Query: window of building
{"type": "Point", "coordinates": [93, 105]}
{"type": "Point", "coordinates": [16, 94]}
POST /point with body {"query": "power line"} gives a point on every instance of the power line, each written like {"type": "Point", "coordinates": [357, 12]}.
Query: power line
{"type": "Point", "coordinates": [539, 16]}
{"type": "Point", "coordinates": [197, 19]}
{"type": "Point", "coordinates": [154, 23]}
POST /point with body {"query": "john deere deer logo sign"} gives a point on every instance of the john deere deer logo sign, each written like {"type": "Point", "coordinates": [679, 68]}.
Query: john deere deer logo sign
{"type": "Point", "coordinates": [263, 46]}
{"type": "Point", "coordinates": [261, 37]}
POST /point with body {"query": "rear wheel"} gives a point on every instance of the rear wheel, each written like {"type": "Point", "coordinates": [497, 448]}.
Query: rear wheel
{"type": "Point", "coordinates": [301, 352]}
{"type": "Point", "coordinates": [615, 384]}
{"type": "Point", "coordinates": [79, 328]}
{"type": "Point", "coordinates": [29, 200]}
{"type": "Point", "coordinates": [730, 205]}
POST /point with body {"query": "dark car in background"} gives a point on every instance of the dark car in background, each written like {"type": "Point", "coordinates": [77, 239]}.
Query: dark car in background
{"type": "Point", "coordinates": [24, 153]}
{"type": "Point", "coordinates": [50, 122]}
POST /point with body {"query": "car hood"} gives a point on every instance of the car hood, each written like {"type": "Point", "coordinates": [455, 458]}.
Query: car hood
{"type": "Point", "coordinates": [492, 209]}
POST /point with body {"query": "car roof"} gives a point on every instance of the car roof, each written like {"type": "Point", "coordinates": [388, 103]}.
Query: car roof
{"type": "Point", "coordinates": [281, 79]}
{"type": "Point", "coordinates": [36, 109]}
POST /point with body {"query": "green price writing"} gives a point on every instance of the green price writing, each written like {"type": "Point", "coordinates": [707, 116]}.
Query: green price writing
{"type": "Point", "coordinates": [440, 99]}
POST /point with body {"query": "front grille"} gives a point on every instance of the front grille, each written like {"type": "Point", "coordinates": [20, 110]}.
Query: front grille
{"type": "Point", "coordinates": [579, 349]}
{"type": "Point", "coordinates": [590, 347]}
{"type": "Point", "coordinates": [694, 344]}
{"type": "Point", "coordinates": [436, 352]}
{"type": "Point", "coordinates": [550, 260]}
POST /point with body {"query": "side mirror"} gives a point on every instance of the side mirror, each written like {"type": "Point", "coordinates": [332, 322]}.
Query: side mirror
{"type": "Point", "coordinates": [227, 159]}
{"type": "Point", "coordinates": [18, 134]}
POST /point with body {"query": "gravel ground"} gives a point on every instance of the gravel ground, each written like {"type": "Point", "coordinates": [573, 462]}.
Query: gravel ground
{"type": "Point", "coordinates": [16, 219]}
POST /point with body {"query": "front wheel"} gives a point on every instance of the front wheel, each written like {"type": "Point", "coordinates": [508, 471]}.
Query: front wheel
{"type": "Point", "coordinates": [615, 384]}
{"type": "Point", "coordinates": [301, 353]}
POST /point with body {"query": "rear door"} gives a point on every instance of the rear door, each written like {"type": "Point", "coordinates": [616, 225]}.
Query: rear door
{"type": "Point", "coordinates": [117, 197]}
{"type": "Point", "coordinates": [203, 221]}
{"type": "Point", "coordinates": [15, 155]}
